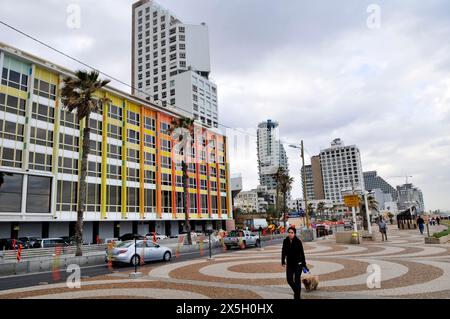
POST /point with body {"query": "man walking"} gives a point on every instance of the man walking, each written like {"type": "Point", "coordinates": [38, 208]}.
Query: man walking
{"type": "Point", "coordinates": [293, 258]}
{"type": "Point", "coordinates": [421, 223]}
{"type": "Point", "coordinates": [383, 229]}
{"type": "Point", "coordinates": [438, 220]}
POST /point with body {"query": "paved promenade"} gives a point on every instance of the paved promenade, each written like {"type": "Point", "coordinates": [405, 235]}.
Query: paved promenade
{"type": "Point", "coordinates": [408, 269]}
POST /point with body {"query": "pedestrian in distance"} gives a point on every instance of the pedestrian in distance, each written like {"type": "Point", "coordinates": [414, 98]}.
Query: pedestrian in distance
{"type": "Point", "coordinates": [293, 258]}
{"type": "Point", "coordinates": [383, 229]}
{"type": "Point", "coordinates": [438, 220]}
{"type": "Point", "coordinates": [420, 223]}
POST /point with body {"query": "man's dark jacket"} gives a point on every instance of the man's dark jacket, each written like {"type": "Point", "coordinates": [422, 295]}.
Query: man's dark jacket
{"type": "Point", "coordinates": [293, 252]}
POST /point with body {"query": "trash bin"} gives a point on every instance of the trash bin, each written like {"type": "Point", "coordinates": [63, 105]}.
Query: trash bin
{"type": "Point", "coordinates": [355, 237]}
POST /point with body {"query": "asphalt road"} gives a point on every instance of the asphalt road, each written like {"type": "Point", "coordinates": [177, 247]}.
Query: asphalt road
{"type": "Point", "coordinates": [27, 280]}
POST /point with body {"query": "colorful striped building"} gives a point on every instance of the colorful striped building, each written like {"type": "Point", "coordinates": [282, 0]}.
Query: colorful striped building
{"type": "Point", "coordinates": [134, 174]}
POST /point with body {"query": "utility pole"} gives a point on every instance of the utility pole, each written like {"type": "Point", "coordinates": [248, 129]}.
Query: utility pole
{"type": "Point", "coordinates": [305, 196]}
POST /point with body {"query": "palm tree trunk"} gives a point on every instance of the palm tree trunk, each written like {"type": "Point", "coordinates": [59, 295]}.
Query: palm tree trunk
{"type": "Point", "coordinates": [284, 209]}
{"type": "Point", "coordinates": [82, 189]}
{"type": "Point", "coordinates": [184, 167]}
{"type": "Point", "coordinates": [277, 201]}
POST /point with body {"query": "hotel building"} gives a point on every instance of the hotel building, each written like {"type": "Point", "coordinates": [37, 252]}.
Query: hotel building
{"type": "Point", "coordinates": [134, 181]}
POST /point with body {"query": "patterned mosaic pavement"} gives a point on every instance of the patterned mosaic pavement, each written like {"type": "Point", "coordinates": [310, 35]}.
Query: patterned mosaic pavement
{"type": "Point", "coordinates": [407, 269]}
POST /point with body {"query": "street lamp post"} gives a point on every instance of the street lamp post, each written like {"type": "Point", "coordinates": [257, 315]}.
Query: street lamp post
{"type": "Point", "coordinates": [369, 224]}
{"type": "Point", "coordinates": [305, 197]}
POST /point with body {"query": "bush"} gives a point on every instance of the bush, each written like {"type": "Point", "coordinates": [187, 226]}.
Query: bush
{"type": "Point", "coordinates": [442, 233]}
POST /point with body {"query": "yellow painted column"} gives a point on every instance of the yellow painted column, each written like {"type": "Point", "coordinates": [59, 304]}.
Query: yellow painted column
{"type": "Point", "coordinates": [124, 160]}
{"type": "Point", "coordinates": [158, 166]}
{"type": "Point", "coordinates": [104, 166]}
{"type": "Point", "coordinates": [141, 163]}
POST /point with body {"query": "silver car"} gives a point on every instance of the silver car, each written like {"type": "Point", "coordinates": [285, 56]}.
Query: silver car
{"type": "Point", "coordinates": [124, 252]}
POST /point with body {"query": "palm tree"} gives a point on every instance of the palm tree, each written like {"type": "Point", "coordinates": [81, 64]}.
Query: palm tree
{"type": "Point", "coordinates": [320, 207]}
{"type": "Point", "coordinates": [371, 203]}
{"type": "Point", "coordinates": [77, 95]}
{"type": "Point", "coordinates": [285, 185]}
{"type": "Point", "coordinates": [278, 175]}
{"type": "Point", "coordinates": [184, 127]}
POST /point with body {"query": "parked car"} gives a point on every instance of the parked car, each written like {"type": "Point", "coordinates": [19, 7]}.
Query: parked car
{"type": "Point", "coordinates": [52, 242]}
{"type": "Point", "coordinates": [237, 237]}
{"type": "Point", "coordinates": [348, 225]}
{"type": "Point", "coordinates": [158, 236]}
{"type": "Point", "coordinates": [7, 244]}
{"type": "Point", "coordinates": [130, 236]}
{"type": "Point", "coordinates": [69, 240]}
{"type": "Point", "coordinates": [124, 252]}
{"type": "Point", "coordinates": [30, 242]}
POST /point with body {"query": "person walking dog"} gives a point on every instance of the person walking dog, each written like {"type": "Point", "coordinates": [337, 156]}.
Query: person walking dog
{"type": "Point", "coordinates": [293, 258]}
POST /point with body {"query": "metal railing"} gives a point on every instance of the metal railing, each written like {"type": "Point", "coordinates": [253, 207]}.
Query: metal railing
{"type": "Point", "coordinates": [11, 255]}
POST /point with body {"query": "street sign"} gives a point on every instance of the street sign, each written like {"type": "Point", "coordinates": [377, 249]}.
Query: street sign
{"type": "Point", "coordinates": [351, 200]}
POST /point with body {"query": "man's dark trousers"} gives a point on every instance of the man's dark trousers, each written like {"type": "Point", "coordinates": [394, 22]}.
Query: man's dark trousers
{"type": "Point", "coordinates": [293, 273]}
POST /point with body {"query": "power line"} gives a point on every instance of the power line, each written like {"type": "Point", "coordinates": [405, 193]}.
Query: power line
{"type": "Point", "coordinates": [114, 78]}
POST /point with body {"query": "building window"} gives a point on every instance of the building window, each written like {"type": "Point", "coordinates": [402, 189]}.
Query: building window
{"type": "Point", "coordinates": [193, 203]}
{"type": "Point", "coordinates": [114, 151]}
{"type": "Point", "coordinates": [115, 112]}
{"type": "Point", "coordinates": [149, 159]}
{"type": "Point", "coordinates": [203, 184]}
{"type": "Point", "coordinates": [132, 199]}
{"type": "Point", "coordinates": [204, 203]}
{"type": "Point", "coordinates": [149, 177]}
{"type": "Point", "coordinates": [38, 194]}
{"type": "Point", "coordinates": [11, 130]}
{"type": "Point", "coordinates": [149, 140]}
{"type": "Point", "coordinates": [114, 198]}
{"type": "Point", "coordinates": [68, 165]}
{"type": "Point", "coordinates": [44, 89]}
{"type": "Point", "coordinates": [114, 172]}
{"type": "Point", "coordinates": [132, 155]}
{"type": "Point", "coordinates": [11, 192]}
{"type": "Point", "coordinates": [166, 162]}
{"type": "Point", "coordinates": [12, 104]}
{"type": "Point", "coordinates": [114, 131]}
{"type": "Point", "coordinates": [166, 145]}
{"type": "Point", "coordinates": [149, 200]}
{"type": "Point", "coordinates": [165, 128]}
{"type": "Point", "coordinates": [40, 136]}
{"type": "Point", "coordinates": [15, 79]}
{"type": "Point", "coordinates": [66, 198]}
{"type": "Point", "coordinates": [41, 162]}
{"type": "Point", "coordinates": [133, 118]}
{"type": "Point", "coordinates": [93, 193]}
{"type": "Point", "coordinates": [166, 179]}
{"type": "Point", "coordinates": [133, 136]}
{"type": "Point", "coordinates": [166, 201]}
{"type": "Point", "coordinates": [192, 183]}
{"type": "Point", "coordinates": [68, 142]}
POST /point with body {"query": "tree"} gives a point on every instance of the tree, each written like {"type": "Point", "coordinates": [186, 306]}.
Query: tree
{"type": "Point", "coordinates": [311, 210]}
{"type": "Point", "coordinates": [371, 203]}
{"type": "Point", "coordinates": [278, 175]}
{"type": "Point", "coordinates": [285, 186]}
{"type": "Point", "coordinates": [321, 208]}
{"type": "Point", "coordinates": [184, 129]}
{"type": "Point", "coordinates": [78, 94]}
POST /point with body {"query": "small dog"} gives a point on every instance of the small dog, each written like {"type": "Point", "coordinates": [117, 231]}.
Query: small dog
{"type": "Point", "coordinates": [310, 282]}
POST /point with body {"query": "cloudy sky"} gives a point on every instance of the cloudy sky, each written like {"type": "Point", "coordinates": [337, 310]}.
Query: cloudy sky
{"type": "Point", "coordinates": [322, 69]}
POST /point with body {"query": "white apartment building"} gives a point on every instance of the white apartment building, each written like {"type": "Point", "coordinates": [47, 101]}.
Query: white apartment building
{"type": "Point", "coordinates": [251, 202]}
{"type": "Point", "coordinates": [271, 154]}
{"type": "Point", "coordinates": [341, 170]}
{"type": "Point", "coordinates": [171, 62]}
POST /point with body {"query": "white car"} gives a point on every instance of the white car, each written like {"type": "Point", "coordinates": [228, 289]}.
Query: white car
{"type": "Point", "coordinates": [158, 236]}
{"type": "Point", "coordinates": [124, 252]}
